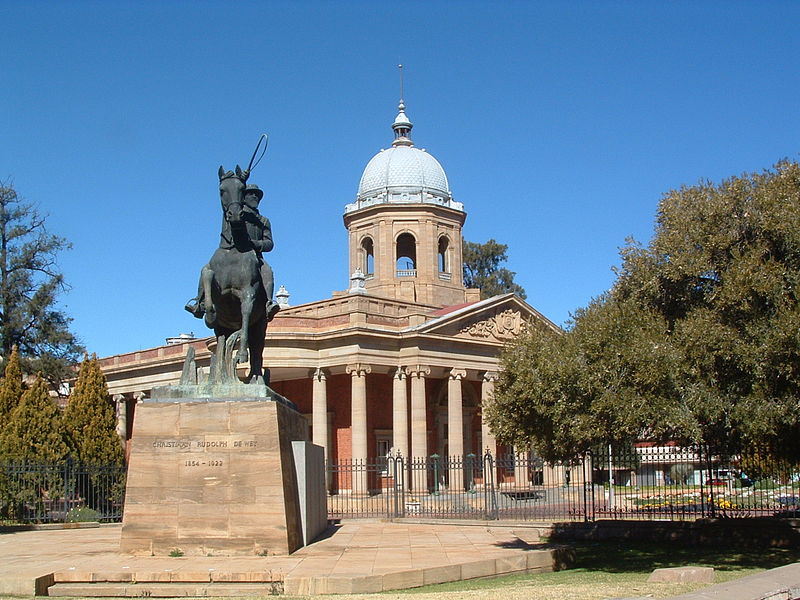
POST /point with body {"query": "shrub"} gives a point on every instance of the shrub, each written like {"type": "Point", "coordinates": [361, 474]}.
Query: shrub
{"type": "Point", "coordinates": [765, 484]}
{"type": "Point", "coordinates": [82, 514]}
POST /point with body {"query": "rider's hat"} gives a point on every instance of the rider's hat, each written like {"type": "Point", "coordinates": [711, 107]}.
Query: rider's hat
{"type": "Point", "coordinates": [254, 189]}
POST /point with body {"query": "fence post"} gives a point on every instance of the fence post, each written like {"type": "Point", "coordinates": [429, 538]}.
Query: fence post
{"type": "Point", "coordinates": [398, 488]}
{"type": "Point", "coordinates": [489, 497]}
{"type": "Point", "coordinates": [435, 465]}
{"type": "Point", "coordinates": [65, 492]}
{"type": "Point", "coordinates": [711, 507]}
{"type": "Point", "coordinates": [587, 480]}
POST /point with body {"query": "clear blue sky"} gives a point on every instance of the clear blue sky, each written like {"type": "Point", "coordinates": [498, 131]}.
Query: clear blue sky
{"type": "Point", "coordinates": [559, 124]}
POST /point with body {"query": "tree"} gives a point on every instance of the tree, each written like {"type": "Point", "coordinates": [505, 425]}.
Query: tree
{"type": "Point", "coordinates": [30, 283]}
{"type": "Point", "coordinates": [90, 420]}
{"type": "Point", "coordinates": [11, 388]}
{"type": "Point", "coordinates": [697, 341]}
{"type": "Point", "coordinates": [35, 432]}
{"type": "Point", "coordinates": [482, 269]}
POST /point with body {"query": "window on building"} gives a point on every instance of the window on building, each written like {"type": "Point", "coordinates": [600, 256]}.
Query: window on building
{"type": "Point", "coordinates": [367, 256]}
{"type": "Point", "coordinates": [406, 255]}
{"type": "Point", "coordinates": [444, 263]}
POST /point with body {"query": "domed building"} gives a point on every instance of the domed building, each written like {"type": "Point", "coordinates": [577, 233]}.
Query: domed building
{"type": "Point", "coordinates": [403, 360]}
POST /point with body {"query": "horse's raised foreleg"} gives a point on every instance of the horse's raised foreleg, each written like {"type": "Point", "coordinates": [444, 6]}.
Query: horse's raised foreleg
{"type": "Point", "coordinates": [247, 300]}
{"type": "Point", "coordinates": [206, 284]}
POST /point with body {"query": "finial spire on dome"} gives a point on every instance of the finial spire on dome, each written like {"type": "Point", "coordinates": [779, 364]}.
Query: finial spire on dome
{"type": "Point", "coordinates": [400, 68]}
{"type": "Point", "coordinates": [402, 125]}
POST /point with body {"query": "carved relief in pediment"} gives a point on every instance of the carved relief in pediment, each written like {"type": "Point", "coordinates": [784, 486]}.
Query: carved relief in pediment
{"type": "Point", "coordinates": [501, 327]}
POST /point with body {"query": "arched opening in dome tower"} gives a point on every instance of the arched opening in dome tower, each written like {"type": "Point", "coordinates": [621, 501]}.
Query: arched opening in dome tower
{"type": "Point", "coordinates": [444, 255]}
{"type": "Point", "coordinates": [406, 255]}
{"type": "Point", "coordinates": [368, 256]}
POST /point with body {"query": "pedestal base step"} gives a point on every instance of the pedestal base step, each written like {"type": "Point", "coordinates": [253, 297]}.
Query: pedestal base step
{"type": "Point", "coordinates": [164, 590]}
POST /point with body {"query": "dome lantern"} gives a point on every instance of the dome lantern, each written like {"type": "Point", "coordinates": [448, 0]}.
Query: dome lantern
{"type": "Point", "coordinates": [402, 127]}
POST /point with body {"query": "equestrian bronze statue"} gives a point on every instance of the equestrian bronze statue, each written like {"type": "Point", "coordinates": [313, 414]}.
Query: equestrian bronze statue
{"type": "Point", "coordinates": [235, 291]}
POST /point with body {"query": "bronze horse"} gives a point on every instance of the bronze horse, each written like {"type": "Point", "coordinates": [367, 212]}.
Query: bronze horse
{"type": "Point", "coordinates": [233, 296]}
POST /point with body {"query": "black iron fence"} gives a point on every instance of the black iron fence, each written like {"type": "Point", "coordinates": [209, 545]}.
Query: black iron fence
{"type": "Point", "coordinates": [45, 493]}
{"type": "Point", "coordinates": [645, 481]}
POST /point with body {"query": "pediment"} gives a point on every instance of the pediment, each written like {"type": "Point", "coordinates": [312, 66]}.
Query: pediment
{"type": "Point", "coordinates": [498, 319]}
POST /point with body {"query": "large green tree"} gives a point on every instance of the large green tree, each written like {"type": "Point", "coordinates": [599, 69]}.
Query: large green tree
{"type": "Point", "coordinates": [483, 269]}
{"type": "Point", "coordinates": [30, 283]}
{"type": "Point", "coordinates": [89, 418]}
{"type": "Point", "coordinates": [697, 341]}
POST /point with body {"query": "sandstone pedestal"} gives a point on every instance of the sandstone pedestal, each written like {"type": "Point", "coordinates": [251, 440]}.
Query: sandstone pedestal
{"type": "Point", "coordinates": [211, 476]}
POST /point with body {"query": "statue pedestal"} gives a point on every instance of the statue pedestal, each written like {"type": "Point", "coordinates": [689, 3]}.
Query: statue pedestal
{"type": "Point", "coordinates": [217, 476]}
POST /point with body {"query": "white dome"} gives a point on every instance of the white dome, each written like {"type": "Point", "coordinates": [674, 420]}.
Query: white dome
{"type": "Point", "coordinates": [403, 169]}
{"type": "Point", "coordinates": [403, 174]}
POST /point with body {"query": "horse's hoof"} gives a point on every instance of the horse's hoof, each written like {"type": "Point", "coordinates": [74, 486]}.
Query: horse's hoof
{"type": "Point", "coordinates": [257, 380]}
{"type": "Point", "coordinates": [242, 357]}
{"type": "Point", "coordinates": [195, 307]}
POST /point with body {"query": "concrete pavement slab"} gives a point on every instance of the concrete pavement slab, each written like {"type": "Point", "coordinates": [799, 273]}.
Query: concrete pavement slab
{"type": "Point", "coordinates": [355, 555]}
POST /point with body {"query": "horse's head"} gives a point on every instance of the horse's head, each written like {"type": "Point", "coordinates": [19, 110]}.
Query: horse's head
{"type": "Point", "coordinates": [231, 193]}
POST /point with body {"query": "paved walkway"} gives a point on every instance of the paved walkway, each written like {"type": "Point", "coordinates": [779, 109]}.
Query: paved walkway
{"type": "Point", "coordinates": [782, 583]}
{"type": "Point", "coordinates": [357, 556]}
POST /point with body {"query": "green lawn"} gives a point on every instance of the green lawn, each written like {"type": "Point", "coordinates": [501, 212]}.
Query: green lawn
{"type": "Point", "coordinates": [626, 566]}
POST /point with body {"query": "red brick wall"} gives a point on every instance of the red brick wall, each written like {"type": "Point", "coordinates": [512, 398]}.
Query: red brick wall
{"type": "Point", "coordinates": [339, 404]}
{"type": "Point", "coordinates": [296, 390]}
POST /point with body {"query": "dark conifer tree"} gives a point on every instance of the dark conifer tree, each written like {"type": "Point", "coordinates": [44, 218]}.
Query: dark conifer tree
{"type": "Point", "coordinates": [11, 388]}
{"type": "Point", "coordinates": [34, 433]}
{"type": "Point", "coordinates": [90, 419]}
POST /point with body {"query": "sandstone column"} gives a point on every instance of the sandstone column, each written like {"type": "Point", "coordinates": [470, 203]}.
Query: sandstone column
{"type": "Point", "coordinates": [319, 416]}
{"type": "Point", "coordinates": [455, 429]}
{"type": "Point", "coordinates": [358, 424]}
{"type": "Point", "coordinates": [419, 426]}
{"type": "Point", "coordinates": [319, 409]}
{"type": "Point", "coordinates": [487, 391]}
{"type": "Point", "coordinates": [400, 417]}
{"type": "Point", "coordinates": [137, 400]}
{"type": "Point", "coordinates": [122, 417]}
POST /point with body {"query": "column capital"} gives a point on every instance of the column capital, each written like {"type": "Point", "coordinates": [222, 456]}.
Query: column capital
{"type": "Point", "coordinates": [139, 396]}
{"type": "Point", "coordinates": [418, 371]}
{"type": "Point", "coordinates": [399, 373]}
{"type": "Point", "coordinates": [456, 373]}
{"type": "Point", "coordinates": [118, 398]}
{"type": "Point", "coordinates": [358, 369]}
{"type": "Point", "coordinates": [318, 374]}
{"type": "Point", "coordinates": [491, 376]}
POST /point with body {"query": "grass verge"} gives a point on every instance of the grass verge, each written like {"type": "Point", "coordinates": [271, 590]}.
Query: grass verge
{"type": "Point", "coordinates": [618, 569]}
